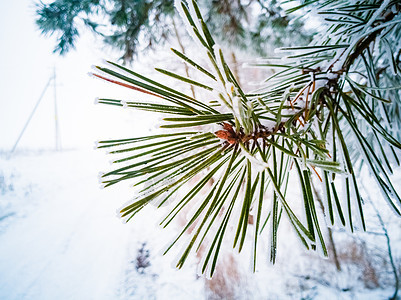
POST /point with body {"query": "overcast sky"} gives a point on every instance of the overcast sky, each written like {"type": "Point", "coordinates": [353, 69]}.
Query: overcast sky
{"type": "Point", "coordinates": [26, 64]}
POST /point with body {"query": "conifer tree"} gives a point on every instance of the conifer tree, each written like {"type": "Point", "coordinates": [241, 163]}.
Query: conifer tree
{"type": "Point", "coordinates": [329, 109]}
{"type": "Point", "coordinates": [127, 25]}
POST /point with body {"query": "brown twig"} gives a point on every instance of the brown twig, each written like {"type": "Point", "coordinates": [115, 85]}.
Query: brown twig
{"type": "Point", "coordinates": [183, 52]}
{"type": "Point", "coordinates": [364, 43]}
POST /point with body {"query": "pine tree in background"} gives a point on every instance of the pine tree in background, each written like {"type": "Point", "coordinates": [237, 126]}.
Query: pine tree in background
{"type": "Point", "coordinates": [324, 100]}
{"type": "Point", "coordinates": [233, 24]}
{"type": "Point", "coordinates": [121, 23]}
{"type": "Point", "coordinates": [132, 26]}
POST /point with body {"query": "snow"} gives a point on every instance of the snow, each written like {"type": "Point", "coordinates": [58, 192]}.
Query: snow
{"type": "Point", "coordinates": [269, 124]}
{"type": "Point", "coordinates": [68, 244]}
{"type": "Point", "coordinates": [377, 13]}
{"type": "Point", "coordinates": [63, 238]}
{"type": "Point", "coordinates": [60, 239]}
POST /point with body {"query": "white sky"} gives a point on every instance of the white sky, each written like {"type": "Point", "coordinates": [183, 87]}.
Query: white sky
{"type": "Point", "coordinates": [26, 64]}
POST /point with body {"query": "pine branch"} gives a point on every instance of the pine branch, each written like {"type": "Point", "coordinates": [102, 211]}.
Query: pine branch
{"type": "Point", "coordinates": [302, 117]}
{"type": "Point", "coordinates": [363, 44]}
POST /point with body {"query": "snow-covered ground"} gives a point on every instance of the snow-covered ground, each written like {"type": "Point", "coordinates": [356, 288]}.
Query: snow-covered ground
{"type": "Point", "coordinates": [60, 239]}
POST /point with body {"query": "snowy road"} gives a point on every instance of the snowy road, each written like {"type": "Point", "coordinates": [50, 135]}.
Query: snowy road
{"type": "Point", "coordinates": [71, 245]}
{"type": "Point", "coordinates": [64, 241]}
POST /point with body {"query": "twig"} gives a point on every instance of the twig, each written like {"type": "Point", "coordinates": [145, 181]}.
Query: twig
{"type": "Point", "coordinates": [390, 255]}
{"type": "Point", "coordinates": [183, 52]}
{"type": "Point", "coordinates": [364, 44]}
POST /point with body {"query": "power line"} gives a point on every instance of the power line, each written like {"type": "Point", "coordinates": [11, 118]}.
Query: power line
{"type": "Point", "coordinates": [57, 133]}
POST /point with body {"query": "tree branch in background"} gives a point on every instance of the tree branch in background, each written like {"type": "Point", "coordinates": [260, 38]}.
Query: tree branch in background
{"type": "Point", "coordinates": [183, 52]}
{"type": "Point", "coordinates": [390, 253]}
{"type": "Point", "coordinates": [122, 24]}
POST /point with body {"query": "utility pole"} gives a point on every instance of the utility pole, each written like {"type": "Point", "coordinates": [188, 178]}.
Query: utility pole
{"type": "Point", "coordinates": [56, 127]}
{"type": "Point", "coordinates": [30, 116]}
{"type": "Point", "coordinates": [57, 130]}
